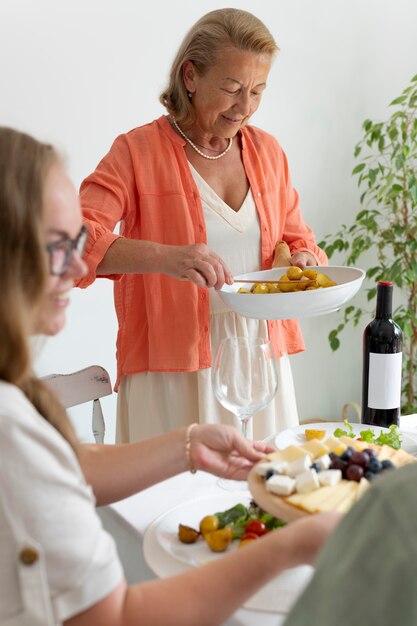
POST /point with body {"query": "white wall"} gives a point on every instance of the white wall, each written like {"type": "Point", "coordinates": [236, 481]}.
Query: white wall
{"type": "Point", "coordinates": [78, 73]}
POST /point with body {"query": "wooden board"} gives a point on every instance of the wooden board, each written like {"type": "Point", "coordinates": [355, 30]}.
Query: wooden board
{"type": "Point", "coordinates": [271, 503]}
{"type": "Point", "coordinates": [279, 507]}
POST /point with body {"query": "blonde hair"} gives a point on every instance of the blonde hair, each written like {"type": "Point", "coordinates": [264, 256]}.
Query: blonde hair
{"type": "Point", "coordinates": [203, 45]}
{"type": "Point", "coordinates": [24, 166]}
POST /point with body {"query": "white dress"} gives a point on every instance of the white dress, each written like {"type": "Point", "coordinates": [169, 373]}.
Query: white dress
{"type": "Point", "coordinates": [151, 403]}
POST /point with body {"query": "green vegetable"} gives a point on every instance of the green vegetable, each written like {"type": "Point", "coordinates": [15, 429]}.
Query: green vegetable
{"type": "Point", "coordinates": [368, 435]}
{"type": "Point", "coordinates": [339, 432]}
{"type": "Point", "coordinates": [238, 517]}
{"type": "Point", "coordinates": [392, 438]}
{"type": "Point", "coordinates": [231, 516]}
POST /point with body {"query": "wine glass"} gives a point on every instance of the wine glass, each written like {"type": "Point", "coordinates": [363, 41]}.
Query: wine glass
{"type": "Point", "coordinates": [245, 380]}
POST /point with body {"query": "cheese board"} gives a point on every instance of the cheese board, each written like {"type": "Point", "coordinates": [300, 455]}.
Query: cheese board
{"type": "Point", "coordinates": [312, 478]}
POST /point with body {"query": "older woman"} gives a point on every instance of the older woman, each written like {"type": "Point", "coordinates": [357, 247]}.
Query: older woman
{"type": "Point", "coordinates": [58, 565]}
{"type": "Point", "coordinates": [201, 195]}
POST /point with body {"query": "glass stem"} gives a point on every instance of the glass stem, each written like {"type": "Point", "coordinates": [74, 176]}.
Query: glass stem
{"type": "Point", "coordinates": [245, 423]}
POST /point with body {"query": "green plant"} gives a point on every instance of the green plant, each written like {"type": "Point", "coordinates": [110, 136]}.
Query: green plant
{"type": "Point", "coordinates": [384, 232]}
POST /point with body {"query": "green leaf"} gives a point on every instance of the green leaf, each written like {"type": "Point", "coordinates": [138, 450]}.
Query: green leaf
{"type": "Point", "coordinates": [399, 100]}
{"type": "Point", "coordinates": [358, 168]}
{"type": "Point", "coordinates": [393, 134]}
{"type": "Point", "coordinates": [371, 294]}
{"type": "Point", "coordinates": [334, 344]}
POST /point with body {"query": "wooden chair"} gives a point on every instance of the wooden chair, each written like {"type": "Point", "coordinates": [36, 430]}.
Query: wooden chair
{"type": "Point", "coordinates": [86, 385]}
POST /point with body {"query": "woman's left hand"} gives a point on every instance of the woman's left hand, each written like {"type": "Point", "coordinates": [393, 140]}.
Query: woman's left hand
{"type": "Point", "coordinates": [303, 259]}
{"type": "Point", "coordinates": [223, 451]}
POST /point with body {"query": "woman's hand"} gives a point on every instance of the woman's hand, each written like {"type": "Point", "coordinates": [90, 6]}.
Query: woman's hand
{"type": "Point", "coordinates": [223, 451]}
{"type": "Point", "coordinates": [306, 536]}
{"type": "Point", "coordinates": [197, 263]}
{"type": "Point", "coordinates": [303, 259]}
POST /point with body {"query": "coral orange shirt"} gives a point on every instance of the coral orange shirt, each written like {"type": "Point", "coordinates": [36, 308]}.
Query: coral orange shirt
{"type": "Point", "coordinates": [145, 183]}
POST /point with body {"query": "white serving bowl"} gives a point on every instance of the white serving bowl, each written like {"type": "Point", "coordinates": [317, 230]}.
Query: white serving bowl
{"type": "Point", "coordinates": [296, 304]}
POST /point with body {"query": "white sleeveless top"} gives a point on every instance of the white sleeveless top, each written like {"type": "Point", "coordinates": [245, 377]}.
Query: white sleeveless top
{"type": "Point", "coordinates": [151, 403]}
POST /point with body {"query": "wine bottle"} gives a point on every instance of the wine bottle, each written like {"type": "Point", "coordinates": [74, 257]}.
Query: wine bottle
{"type": "Point", "coordinates": [382, 363]}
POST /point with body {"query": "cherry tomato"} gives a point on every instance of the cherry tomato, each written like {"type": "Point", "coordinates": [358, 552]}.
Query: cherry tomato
{"type": "Point", "coordinates": [248, 538]}
{"type": "Point", "coordinates": [257, 527]}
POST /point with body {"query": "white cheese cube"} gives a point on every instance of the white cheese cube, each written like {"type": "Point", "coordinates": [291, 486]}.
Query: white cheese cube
{"type": "Point", "coordinates": [330, 478]}
{"type": "Point", "coordinates": [299, 466]}
{"type": "Point", "coordinates": [265, 466]}
{"type": "Point", "coordinates": [307, 481]}
{"type": "Point", "coordinates": [280, 485]}
{"type": "Point", "coordinates": [323, 462]}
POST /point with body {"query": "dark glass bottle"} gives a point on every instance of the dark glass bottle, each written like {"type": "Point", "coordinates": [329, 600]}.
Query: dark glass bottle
{"type": "Point", "coordinates": [382, 363]}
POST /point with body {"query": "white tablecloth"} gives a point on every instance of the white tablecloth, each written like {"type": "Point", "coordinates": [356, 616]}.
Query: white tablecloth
{"type": "Point", "coordinates": [129, 519]}
{"type": "Point", "coordinates": [132, 516]}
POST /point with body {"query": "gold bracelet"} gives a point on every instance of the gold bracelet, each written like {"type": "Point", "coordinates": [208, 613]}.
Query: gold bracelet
{"type": "Point", "coordinates": [191, 467]}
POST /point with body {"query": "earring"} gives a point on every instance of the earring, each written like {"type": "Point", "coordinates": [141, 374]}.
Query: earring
{"type": "Point", "coordinates": [190, 95]}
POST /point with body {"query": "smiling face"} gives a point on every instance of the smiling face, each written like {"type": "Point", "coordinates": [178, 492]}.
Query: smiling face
{"type": "Point", "coordinates": [62, 219]}
{"type": "Point", "coordinates": [230, 92]}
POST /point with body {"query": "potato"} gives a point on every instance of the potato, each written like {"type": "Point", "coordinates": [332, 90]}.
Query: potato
{"type": "Point", "coordinates": [219, 540]}
{"type": "Point", "coordinates": [274, 288]}
{"type": "Point", "coordinates": [286, 287]}
{"type": "Point", "coordinates": [294, 273]}
{"type": "Point", "coordinates": [260, 288]}
{"type": "Point", "coordinates": [208, 524]}
{"type": "Point", "coordinates": [310, 274]}
{"type": "Point", "coordinates": [186, 534]}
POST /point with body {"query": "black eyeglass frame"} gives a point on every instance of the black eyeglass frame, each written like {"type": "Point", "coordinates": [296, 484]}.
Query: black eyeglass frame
{"type": "Point", "coordinates": [69, 246]}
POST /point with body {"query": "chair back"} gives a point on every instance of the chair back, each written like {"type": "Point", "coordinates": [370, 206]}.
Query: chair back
{"type": "Point", "coordinates": [86, 385]}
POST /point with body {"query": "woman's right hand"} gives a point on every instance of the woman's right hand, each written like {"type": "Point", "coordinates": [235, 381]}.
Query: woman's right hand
{"type": "Point", "coordinates": [195, 262]}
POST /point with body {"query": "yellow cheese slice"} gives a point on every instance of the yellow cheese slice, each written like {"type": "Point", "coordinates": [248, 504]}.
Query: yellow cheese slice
{"type": "Point", "coordinates": [364, 485]}
{"type": "Point", "coordinates": [335, 445]}
{"type": "Point", "coordinates": [323, 499]}
{"type": "Point", "coordinates": [311, 501]}
{"type": "Point", "coordinates": [316, 447]}
{"type": "Point", "coordinates": [355, 443]}
{"type": "Point", "coordinates": [346, 487]}
{"type": "Point", "coordinates": [349, 499]}
{"type": "Point", "coordinates": [292, 453]}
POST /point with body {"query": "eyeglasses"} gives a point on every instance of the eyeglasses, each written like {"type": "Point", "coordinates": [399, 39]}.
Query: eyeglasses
{"type": "Point", "coordinates": [61, 252]}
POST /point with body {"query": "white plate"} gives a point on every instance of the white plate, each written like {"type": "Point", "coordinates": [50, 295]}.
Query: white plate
{"type": "Point", "coordinates": [167, 556]}
{"type": "Point", "coordinates": [295, 305]}
{"type": "Point", "coordinates": [190, 514]}
{"type": "Point", "coordinates": [295, 436]}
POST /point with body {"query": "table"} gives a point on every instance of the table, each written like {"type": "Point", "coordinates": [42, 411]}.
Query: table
{"type": "Point", "coordinates": [129, 519]}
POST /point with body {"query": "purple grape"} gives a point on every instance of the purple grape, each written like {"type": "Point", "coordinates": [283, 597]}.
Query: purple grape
{"type": "Point", "coordinates": [354, 472]}
{"type": "Point", "coordinates": [359, 458]}
{"type": "Point", "coordinates": [338, 463]}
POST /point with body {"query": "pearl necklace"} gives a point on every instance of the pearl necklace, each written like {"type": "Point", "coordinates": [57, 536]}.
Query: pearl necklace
{"type": "Point", "coordinates": [206, 156]}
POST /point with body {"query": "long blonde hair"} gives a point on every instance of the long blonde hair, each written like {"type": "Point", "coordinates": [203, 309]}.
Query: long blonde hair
{"type": "Point", "coordinates": [203, 45]}
{"type": "Point", "coordinates": [24, 165]}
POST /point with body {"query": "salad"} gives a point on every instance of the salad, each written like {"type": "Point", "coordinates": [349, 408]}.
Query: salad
{"type": "Point", "coordinates": [391, 438]}
{"type": "Point", "coordinates": [243, 523]}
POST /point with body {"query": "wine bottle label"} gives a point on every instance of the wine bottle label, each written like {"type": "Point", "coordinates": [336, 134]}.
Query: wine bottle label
{"type": "Point", "coordinates": [384, 389]}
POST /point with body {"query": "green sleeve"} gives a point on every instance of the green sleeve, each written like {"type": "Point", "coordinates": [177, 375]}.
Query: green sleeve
{"type": "Point", "coordinates": [367, 572]}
